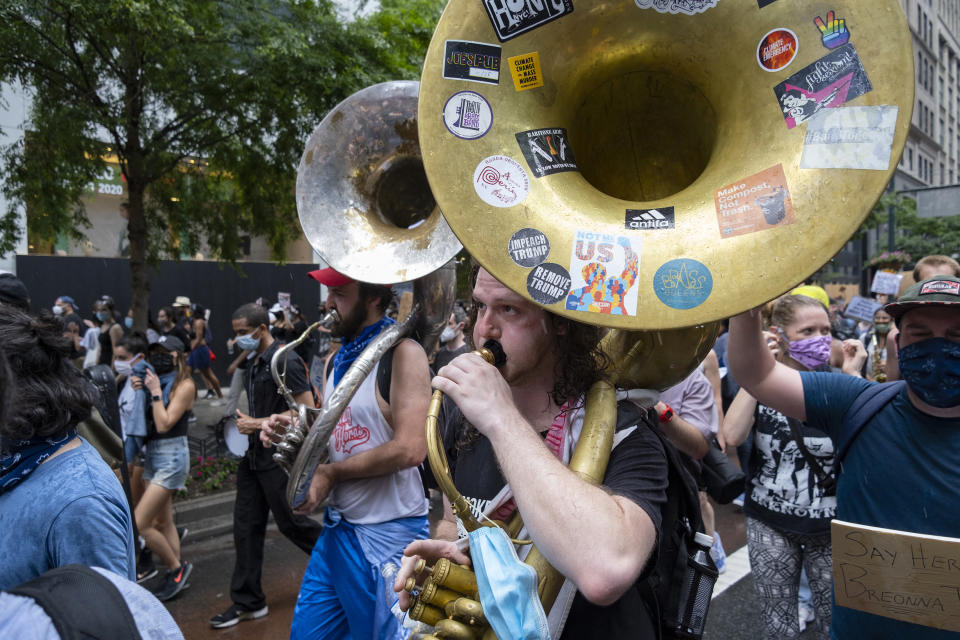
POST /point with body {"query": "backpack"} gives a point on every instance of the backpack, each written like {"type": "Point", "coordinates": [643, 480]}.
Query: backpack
{"type": "Point", "coordinates": [662, 589]}
{"type": "Point", "coordinates": [865, 406]}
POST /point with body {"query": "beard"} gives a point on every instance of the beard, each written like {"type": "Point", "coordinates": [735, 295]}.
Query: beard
{"type": "Point", "coordinates": [348, 326]}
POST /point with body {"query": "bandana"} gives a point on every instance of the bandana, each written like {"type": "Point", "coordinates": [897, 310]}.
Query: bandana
{"type": "Point", "coordinates": [349, 351]}
{"type": "Point", "coordinates": [21, 457]}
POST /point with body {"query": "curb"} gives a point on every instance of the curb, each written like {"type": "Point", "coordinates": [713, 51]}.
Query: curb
{"type": "Point", "coordinates": [206, 516]}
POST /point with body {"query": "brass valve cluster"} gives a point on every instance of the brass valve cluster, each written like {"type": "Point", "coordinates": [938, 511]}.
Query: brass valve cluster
{"type": "Point", "coordinates": [448, 600]}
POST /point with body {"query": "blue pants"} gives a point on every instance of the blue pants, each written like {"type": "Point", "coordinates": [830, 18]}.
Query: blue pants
{"type": "Point", "coordinates": [344, 593]}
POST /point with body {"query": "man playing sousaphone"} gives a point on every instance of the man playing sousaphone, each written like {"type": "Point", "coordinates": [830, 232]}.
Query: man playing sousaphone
{"type": "Point", "coordinates": [377, 501]}
{"type": "Point", "coordinates": [518, 426]}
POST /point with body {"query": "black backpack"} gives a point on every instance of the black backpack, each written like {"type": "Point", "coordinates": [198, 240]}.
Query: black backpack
{"type": "Point", "coordinates": [663, 588]}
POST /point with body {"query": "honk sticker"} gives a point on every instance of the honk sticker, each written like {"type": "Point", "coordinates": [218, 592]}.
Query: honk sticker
{"type": "Point", "coordinates": [603, 272]}
{"type": "Point", "coordinates": [759, 202]}
{"type": "Point", "coordinates": [526, 71]}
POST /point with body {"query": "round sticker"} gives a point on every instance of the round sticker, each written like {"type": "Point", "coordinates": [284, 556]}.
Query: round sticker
{"type": "Point", "coordinates": [501, 181]}
{"type": "Point", "coordinates": [777, 49]}
{"type": "Point", "coordinates": [683, 283]}
{"type": "Point", "coordinates": [467, 115]}
{"type": "Point", "coordinates": [529, 247]}
{"type": "Point", "coordinates": [548, 283]}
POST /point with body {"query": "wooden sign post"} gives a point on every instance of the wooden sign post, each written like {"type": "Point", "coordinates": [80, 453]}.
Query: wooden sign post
{"type": "Point", "coordinates": [899, 575]}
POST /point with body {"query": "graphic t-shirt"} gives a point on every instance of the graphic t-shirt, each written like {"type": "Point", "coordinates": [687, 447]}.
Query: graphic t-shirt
{"type": "Point", "coordinates": [901, 472]}
{"type": "Point", "coordinates": [784, 492]}
{"type": "Point", "coordinates": [69, 510]}
{"type": "Point", "coordinates": [637, 470]}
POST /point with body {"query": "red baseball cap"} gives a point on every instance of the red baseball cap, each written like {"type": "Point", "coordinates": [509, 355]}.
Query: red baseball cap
{"type": "Point", "coordinates": [330, 277]}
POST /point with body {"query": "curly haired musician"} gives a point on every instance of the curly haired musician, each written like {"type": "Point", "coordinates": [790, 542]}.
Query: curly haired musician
{"type": "Point", "coordinates": [516, 424]}
{"type": "Point", "coordinates": [377, 501]}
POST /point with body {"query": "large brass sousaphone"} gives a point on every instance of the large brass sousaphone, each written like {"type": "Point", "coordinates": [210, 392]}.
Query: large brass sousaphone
{"type": "Point", "coordinates": [716, 151]}
{"type": "Point", "coordinates": [366, 208]}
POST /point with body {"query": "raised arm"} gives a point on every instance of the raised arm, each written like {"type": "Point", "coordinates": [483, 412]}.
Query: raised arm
{"type": "Point", "coordinates": [753, 366]}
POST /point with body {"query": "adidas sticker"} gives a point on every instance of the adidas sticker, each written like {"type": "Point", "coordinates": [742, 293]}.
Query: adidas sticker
{"type": "Point", "coordinates": [650, 219]}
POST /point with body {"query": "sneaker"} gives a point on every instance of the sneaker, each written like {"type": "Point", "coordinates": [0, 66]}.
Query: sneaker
{"type": "Point", "coordinates": [718, 554]}
{"type": "Point", "coordinates": [192, 418]}
{"type": "Point", "coordinates": [234, 614]}
{"type": "Point", "coordinates": [182, 533]}
{"type": "Point", "coordinates": [738, 501]}
{"type": "Point", "coordinates": [174, 582]}
{"type": "Point", "coordinates": [210, 395]}
{"type": "Point", "coordinates": [146, 571]}
{"type": "Point", "coordinates": [218, 403]}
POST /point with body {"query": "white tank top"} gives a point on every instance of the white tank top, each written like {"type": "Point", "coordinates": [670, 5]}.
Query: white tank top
{"type": "Point", "coordinates": [362, 427]}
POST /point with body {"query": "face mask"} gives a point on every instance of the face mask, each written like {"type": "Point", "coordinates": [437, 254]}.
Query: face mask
{"type": "Point", "coordinates": [128, 322]}
{"type": "Point", "coordinates": [103, 316]}
{"type": "Point", "coordinates": [123, 367]}
{"type": "Point", "coordinates": [932, 370]}
{"type": "Point", "coordinates": [882, 327]}
{"type": "Point", "coordinates": [162, 362]}
{"type": "Point", "coordinates": [57, 310]}
{"type": "Point", "coordinates": [508, 587]}
{"type": "Point", "coordinates": [248, 342]}
{"type": "Point", "coordinates": [811, 352]}
{"type": "Point", "coordinates": [448, 334]}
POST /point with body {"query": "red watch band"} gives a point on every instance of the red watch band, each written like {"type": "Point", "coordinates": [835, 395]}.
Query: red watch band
{"type": "Point", "coordinates": [667, 414]}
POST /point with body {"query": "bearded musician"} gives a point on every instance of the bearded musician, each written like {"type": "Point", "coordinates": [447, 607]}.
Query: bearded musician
{"type": "Point", "coordinates": [377, 502]}
{"type": "Point", "coordinates": [508, 439]}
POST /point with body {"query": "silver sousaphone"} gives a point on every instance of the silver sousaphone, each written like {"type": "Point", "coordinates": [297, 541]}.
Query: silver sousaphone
{"type": "Point", "coordinates": [365, 206]}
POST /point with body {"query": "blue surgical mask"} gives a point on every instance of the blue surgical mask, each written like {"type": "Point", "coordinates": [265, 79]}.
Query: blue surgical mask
{"type": "Point", "coordinates": [248, 342]}
{"type": "Point", "coordinates": [931, 369]}
{"type": "Point", "coordinates": [508, 587]}
{"type": "Point", "coordinates": [128, 322]}
{"type": "Point", "coordinates": [103, 316]}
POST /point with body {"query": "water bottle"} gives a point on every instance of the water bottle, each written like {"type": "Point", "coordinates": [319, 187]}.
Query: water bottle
{"type": "Point", "coordinates": [697, 588]}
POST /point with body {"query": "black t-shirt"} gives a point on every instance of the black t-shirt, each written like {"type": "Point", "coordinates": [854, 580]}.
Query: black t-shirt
{"type": "Point", "coordinates": [181, 335]}
{"type": "Point", "coordinates": [637, 470]}
{"type": "Point", "coordinates": [444, 356]}
{"type": "Point", "coordinates": [263, 397]}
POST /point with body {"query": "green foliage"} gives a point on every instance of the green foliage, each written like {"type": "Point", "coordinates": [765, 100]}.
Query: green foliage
{"type": "Point", "coordinates": [914, 235]}
{"type": "Point", "coordinates": [235, 85]}
{"type": "Point", "coordinates": [210, 474]}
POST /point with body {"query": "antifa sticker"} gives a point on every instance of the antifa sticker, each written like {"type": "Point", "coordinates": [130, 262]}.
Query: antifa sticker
{"type": "Point", "coordinates": [501, 181]}
{"type": "Point", "coordinates": [525, 71]}
{"type": "Point", "coordinates": [548, 283]}
{"type": "Point", "coordinates": [759, 202]}
{"type": "Point", "coordinates": [683, 283]}
{"type": "Point", "coordinates": [510, 18]}
{"type": "Point", "coordinates": [467, 115]}
{"type": "Point", "coordinates": [474, 61]}
{"type": "Point", "coordinates": [828, 83]}
{"type": "Point", "coordinates": [649, 219]}
{"type": "Point", "coordinates": [777, 49]}
{"type": "Point", "coordinates": [604, 270]}
{"type": "Point", "coordinates": [547, 151]}
{"type": "Point", "coordinates": [529, 247]}
{"type": "Point", "coordinates": [688, 7]}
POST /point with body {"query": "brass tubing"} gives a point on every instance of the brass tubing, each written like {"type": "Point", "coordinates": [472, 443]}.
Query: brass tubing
{"type": "Point", "coordinates": [423, 612]}
{"type": "Point", "coordinates": [466, 610]}
{"type": "Point", "coordinates": [454, 577]}
{"type": "Point", "coordinates": [448, 628]}
{"type": "Point", "coordinates": [435, 595]}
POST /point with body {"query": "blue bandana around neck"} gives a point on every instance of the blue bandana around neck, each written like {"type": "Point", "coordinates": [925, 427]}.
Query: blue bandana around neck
{"type": "Point", "coordinates": [349, 351]}
{"type": "Point", "coordinates": [21, 457]}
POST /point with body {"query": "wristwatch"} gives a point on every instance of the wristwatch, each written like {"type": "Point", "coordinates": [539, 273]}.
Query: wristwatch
{"type": "Point", "coordinates": [667, 414]}
{"type": "Point", "coordinates": [160, 399]}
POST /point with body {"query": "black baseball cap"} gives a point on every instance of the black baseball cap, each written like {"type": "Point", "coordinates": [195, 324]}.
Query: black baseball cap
{"type": "Point", "coordinates": [936, 291]}
{"type": "Point", "coordinates": [170, 343]}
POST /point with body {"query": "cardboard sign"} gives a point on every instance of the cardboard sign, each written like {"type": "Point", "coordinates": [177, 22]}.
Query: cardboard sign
{"type": "Point", "coordinates": [283, 299]}
{"type": "Point", "coordinates": [896, 574]}
{"type": "Point", "coordinates": [886, 282]}
{"type": "Point", "coordinates": [862, 308]}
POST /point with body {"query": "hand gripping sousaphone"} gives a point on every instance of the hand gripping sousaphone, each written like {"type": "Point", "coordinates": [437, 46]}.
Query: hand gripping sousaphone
{"type": "Point", "coordinates": [655, 164]}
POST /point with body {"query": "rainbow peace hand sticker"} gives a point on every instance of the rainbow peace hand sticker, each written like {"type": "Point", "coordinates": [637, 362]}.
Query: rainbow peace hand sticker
{"type": "Point", "coordinates": [834, 32]}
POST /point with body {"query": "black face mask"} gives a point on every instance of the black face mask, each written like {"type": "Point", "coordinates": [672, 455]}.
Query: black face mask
{"type": "Point", "coordinates": [162, 362]}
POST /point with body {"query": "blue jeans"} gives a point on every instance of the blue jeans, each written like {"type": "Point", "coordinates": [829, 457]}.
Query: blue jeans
{"type": "Point", "coordinates": [344, 593]}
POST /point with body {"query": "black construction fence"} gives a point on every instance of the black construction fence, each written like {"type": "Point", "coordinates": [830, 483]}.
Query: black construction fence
{"type": "Point", "coordinates": [217, 287]}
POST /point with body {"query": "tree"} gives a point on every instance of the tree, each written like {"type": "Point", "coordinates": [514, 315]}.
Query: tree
{"type": "Point", "coordinates": [205, 103]}
{"type": "Point", "coordinates": [917, 236]}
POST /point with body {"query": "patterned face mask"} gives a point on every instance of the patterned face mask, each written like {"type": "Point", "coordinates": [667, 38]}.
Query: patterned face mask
{"type": "Point", "coordinates": [931, 369]}
{"type": "Point", "coordinates": [811, 352]}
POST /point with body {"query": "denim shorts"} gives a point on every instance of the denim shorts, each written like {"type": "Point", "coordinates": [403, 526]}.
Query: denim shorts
{"type": "Point", "coordinates": [132, 445]}
{"type": "Point", "coordinates": [167, 462]}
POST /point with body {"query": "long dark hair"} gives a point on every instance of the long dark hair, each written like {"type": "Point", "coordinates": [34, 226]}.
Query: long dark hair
{"type": "Point", "coordinates": [51, 395]}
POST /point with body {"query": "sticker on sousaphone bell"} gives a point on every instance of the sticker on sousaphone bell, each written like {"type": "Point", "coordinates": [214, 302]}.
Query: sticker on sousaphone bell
{"type": "Point", "coordinates": [500, 181]}
{"type": "Point", "coordinates": [604, 269]}
{"type": "Point", "coordinates": [473, 61]}
{"type": "Point", "coordinates": [683, 283]}
{"type": "Point", "coordinates": [777, 49]}
{"type": "Point", "coordinates": [688, 7]}
{"type": "Point", "coordinates": [548, 283]}
{"type": "Point", "coordinates": [528, 247]}
{"type": "Point", "coordinates": [467, 115]}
